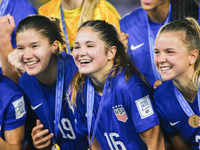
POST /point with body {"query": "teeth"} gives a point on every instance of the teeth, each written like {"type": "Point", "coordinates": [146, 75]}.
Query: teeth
{"type": "Point", "coordinates": [31, 63]}
{"type": "Point", "coordinates": [165, 68]}
{"type": "Point", "coordinates": [85, 61]}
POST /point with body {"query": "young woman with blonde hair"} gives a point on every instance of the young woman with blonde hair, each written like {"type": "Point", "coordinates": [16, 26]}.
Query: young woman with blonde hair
{"type": "Point", "coordinates": [177, 59]}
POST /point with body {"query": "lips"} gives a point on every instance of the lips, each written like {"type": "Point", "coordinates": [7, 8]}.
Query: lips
{"type": "Point", "coordinates": [165, 68]}
{"type": "Point", "coordinates": [85, 61]}
{"type": "Point", "coordinates": [147, 1]}
{"type": "Point", "coordinates": [31, 63]}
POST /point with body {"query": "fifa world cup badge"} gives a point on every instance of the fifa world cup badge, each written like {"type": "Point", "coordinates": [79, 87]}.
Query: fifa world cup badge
{"type": "Point", "coordinates": [55, 147]}
{"type": "Point", "coordinates": [194, 121]}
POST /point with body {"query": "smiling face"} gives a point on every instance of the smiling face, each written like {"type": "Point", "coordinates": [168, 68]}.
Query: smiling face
{"type": "Point", "coordinates": [34, 51]}
{"type": "Point", "coordinates": [172, 59]}
{"type": "Point", "coordinates": [152, 4]}
{"type": "Point", "coordinates": [90, 55]}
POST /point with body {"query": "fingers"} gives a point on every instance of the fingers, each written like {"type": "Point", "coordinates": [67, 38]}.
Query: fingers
{"type": "Point", "coordinates": [12, 55]}
{"type": "Point", "coordinates": [41, 137]}
{"type": "Point", "coordinates": [38, 122]}
{"type": "Point", "coordinates": [124, 39]}
{"type": "Point", "coordinates": [7, 24]}
{"type": "Point", "coordinates": [11, 21]}
{"type": "Point", "coordinates": [14, 61]}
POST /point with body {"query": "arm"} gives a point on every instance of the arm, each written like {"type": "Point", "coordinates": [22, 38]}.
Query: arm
{"type": "Point", "coordinates": [41, 138]}
{"type": "Point", "coordinates": [13, 139]}
{"type": "Point", "coordinates": [153, 138]}
{"type": "Point", "coordinates": [179, 143]}
{"type": "Point", "coordinates": [7, 25]}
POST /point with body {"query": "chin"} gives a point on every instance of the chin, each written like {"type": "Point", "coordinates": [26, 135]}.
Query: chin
{"type": "Point", "coordinates": [166, 78]}
{"type": "Point", "coordinates": [31, 72]}
{"type": "Point", "coordinates": [147, 7]}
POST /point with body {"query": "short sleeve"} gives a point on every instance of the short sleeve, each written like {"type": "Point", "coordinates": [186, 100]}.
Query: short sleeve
{"type": "Point", "coordinates": [15, 113]}
{"type": "Point", "coordinates": [140, 104]}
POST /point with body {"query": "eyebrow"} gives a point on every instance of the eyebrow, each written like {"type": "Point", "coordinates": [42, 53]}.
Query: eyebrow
{"type": "Point", "coordinates": [31, 43]}
{"type": "Point", "coordinates": [85, 42]}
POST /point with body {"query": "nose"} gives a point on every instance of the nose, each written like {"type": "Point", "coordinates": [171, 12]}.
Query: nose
{"type": "Point", "coordinates": [160, 58]}
{"type": "Point", "coordinates": [28, 53]}
{"type": "Point", "coordinates": [82, 52]}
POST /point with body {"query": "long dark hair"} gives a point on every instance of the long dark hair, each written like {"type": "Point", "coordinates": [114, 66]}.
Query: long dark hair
{"type": "Point", "coordinates": [46, 26]}
{"type": "Point", "coordinates": [108, 34]}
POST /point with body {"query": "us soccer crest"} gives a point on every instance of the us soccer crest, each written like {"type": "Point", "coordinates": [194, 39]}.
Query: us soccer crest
{"type": "Point", "coordinates": [120, 113]}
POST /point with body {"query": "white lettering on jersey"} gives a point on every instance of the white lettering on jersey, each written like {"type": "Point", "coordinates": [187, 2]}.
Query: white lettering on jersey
{"type": "Point", "coordinates": [64, 127]}
{"type": "Point", "coordinates": [19, 107]}
{"type": "Point", "coordinates": [118, 145]}
{"type": "Point", "coordinates": [144, 107]}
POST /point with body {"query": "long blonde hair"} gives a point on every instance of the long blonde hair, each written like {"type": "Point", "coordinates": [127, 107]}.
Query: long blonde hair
{"type": "Point", "coordinates": [191, 38]}
{"type": "Point", "coordinates": [88, 9]}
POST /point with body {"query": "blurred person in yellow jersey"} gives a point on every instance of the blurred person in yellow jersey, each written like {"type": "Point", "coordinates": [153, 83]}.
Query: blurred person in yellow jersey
{"type": "Point", "coordinates": [73, 13]}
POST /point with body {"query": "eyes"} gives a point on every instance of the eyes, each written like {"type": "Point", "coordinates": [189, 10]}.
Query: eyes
{"type": "Point", "coordinates": [157, 52]}
{"type": "Point", "coordinates": [78, 46]}
{"type": "Point", "coordinates": [20, 48]}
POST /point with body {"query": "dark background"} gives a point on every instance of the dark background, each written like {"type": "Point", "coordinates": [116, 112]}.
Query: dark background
{"type": "Point", "coordinates": [123, 6]}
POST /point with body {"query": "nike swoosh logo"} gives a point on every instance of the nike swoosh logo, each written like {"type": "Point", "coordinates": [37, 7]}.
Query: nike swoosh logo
{"type": "Point", "coordinates": [173, 124]}
{"type": "Point", "coordinates": [136, 47]}
{"type": "Point", "coordinates": [33, 108]}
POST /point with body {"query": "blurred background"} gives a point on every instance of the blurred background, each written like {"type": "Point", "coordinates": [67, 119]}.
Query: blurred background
{"type": "Point", "coordinates": [122, 6]}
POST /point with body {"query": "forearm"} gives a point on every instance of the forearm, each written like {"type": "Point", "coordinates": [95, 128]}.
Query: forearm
{"type": "Point", "coordinates": [153, 138]}
{"type": "Point", "coordinates": [6, 146]}
{"type": "Point", "coordinates": [7, 69]}
{"type": "Point", "coordinates": [7, 25]}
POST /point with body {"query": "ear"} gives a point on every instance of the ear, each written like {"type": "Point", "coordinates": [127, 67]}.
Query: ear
{"type": "Point", "coordinates": [111, 52]}
{"type": "Point", "coordinates": [55, 47]}
{"type": "Point", "coordinates": [194, 55]}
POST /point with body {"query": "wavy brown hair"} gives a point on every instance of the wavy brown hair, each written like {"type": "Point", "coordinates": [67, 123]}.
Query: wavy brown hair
{"type": "Point", "coordinates": [108, 34]}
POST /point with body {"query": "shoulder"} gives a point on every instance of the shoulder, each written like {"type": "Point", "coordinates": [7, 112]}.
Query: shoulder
{"type": "Point", "coordinates": [49, 7]}
{"type": "Point", "coordinates": [164, 94]}
{"type": "Point", "coordinates": [134, 21]}
{"type": "Point", "coordinates": [136, 14]}
{"type": "Point", "coordinates": [106, 5]}
{"type": "Point", "coordinates": [22, 82]}
{"type": "Point", "coordinates": [68, 60]}
{"type": "Point", "coordinates": [7, 84]}
{"type": "Point", "coordinates": [9, 90]}
{"type": "Point", "coordinates": [135, 83]}
{"type": "Point", "coordinates": [166, 86]}
{"type": "Point", "coordinates": [106, 11]}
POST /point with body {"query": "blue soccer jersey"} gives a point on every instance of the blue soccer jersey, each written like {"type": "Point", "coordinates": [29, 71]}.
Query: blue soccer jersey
{"type": "Point", "coordinates": [127, 111]}
{"type": "Point", "coordinates": [12, 105]}
{"type": "Point", "coordinates": [42, 100]}
{"type": "Point", "coordinates": [172, 117]}
{"type": "Point", "coordinates": [141, 46]}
